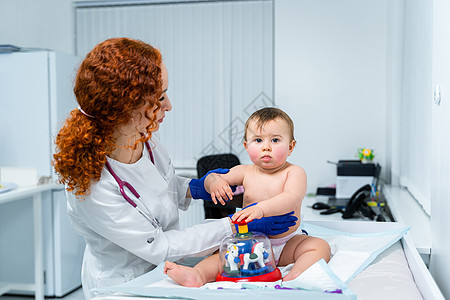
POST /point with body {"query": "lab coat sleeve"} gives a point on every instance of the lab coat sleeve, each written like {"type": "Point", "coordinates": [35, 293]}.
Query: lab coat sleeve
{"type": "Point", "coordinates": [210, 232]}
{"type": "Point", "coordinates": [179, 185]}
{"type": "Point", "coordinates": [117, 222]}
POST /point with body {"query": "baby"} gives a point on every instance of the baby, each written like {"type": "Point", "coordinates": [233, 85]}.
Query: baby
{"type": "Point", "coordinates": [274, 186]}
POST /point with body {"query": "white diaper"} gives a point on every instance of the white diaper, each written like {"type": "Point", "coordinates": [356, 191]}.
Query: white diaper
{"type": "Point", "coordinates": [278, 245]}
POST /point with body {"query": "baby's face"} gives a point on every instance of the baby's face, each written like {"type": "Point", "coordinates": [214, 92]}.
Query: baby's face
{"type": "Point", "coordinates": [268, 147]}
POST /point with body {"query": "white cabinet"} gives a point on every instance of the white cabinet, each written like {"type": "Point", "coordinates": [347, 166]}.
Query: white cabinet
{"type": "Point", "coordinates": [35, 97]}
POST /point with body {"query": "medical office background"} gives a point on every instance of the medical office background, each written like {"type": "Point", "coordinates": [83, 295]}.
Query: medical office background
{"type": "Point", "coordinates": [350, 73]}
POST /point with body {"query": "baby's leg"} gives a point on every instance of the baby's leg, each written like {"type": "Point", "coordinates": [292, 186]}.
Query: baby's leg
{"type": "Point", "coordinates": [303, 251]}
{"type": "Point", "coordinates": [204, 272]}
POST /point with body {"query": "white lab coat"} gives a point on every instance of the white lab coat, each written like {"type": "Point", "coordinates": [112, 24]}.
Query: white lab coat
{"type": "Point", "coordinates": [116, 234]}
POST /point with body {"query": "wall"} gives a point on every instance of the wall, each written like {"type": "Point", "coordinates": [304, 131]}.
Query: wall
{"type": "Point", "coordinates": [440, 189]}
{"type": "Point", "coordinates": [38, 24]}
{"type": "Point", "coordinates": [333, 74]}
{"type": "Point", "coordinates": [337, 89]}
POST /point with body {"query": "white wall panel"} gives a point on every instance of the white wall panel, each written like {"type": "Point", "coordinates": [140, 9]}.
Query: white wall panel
{"type": "Point", "coordinates": [332, 77]}
{"type": "Point", "coordinates": [440, 192]}
{"type": "Point", "coordinates": [415, 114]}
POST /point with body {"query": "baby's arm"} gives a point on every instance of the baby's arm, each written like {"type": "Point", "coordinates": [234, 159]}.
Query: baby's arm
{"type": "Point", "coordinates": [288, 200]}
{"type": "Point", "coordinates": [218, 185]}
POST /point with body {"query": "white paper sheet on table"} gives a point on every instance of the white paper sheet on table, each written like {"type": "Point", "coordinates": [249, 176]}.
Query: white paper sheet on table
{"type": "Point", "coordinates": [351, 253]}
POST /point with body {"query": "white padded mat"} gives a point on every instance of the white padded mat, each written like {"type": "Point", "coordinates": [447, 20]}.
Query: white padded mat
{"type": "Point", "coordinates": [388, 277]}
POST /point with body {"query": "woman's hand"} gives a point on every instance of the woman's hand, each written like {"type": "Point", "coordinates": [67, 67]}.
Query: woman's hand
{"type": "Point", "coordinates": [272, 225]}
{"type": "Point", "coordinates": [197, 186]}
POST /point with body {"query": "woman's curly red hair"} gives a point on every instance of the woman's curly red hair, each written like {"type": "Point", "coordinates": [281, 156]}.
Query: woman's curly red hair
{"type": "Point", "coordinates": [117, 77]}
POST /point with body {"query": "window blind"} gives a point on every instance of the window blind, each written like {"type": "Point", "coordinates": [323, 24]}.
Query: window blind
{"type": "Point", "coordinates": [220, 61]}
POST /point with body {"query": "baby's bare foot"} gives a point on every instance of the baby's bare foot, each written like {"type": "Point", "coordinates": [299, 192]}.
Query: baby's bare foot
{"type": "Point", "coordinates": [182, 275]}
{"type": "Point", "coordinates": [290, 276]}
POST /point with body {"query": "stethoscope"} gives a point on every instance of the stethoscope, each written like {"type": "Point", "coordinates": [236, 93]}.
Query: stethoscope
{"type": "Point", "coordinates": [122, 184]}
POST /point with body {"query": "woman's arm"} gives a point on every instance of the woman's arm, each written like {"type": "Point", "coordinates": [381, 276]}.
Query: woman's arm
{"type": "Point", "coordinates": [288, 200]}
{"type": "Point", "coordinates": [109, 219]}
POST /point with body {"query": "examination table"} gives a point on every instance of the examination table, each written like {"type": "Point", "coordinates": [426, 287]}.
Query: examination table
{"type": "Point", "coordinates": [394, 271]}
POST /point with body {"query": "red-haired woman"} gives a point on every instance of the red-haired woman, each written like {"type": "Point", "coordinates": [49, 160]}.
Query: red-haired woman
{"type": "Point", "coordinates": [123, 194]}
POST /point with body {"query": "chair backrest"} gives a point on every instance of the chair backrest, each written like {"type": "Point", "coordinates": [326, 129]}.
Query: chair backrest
{"type": "Point", "coordinates": [211, 162]}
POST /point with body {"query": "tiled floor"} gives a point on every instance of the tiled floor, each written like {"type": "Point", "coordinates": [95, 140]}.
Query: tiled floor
{"type": "Point", "coordinates": [75, 295]}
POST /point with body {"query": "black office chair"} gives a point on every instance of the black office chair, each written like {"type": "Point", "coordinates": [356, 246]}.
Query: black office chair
{"type": "Point", "coordinates": [211, 162]}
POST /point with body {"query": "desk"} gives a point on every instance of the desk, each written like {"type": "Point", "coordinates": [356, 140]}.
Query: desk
{"type": "Point", "coordinates": [309, 214]}
{"type": "Point", "coordinates": [403, 207]}
{"type": "Point", "coordinates": [36, 194]}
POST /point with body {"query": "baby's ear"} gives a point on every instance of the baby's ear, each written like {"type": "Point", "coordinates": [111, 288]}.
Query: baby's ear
{"type": "Point", "coordinates": [292, 146]}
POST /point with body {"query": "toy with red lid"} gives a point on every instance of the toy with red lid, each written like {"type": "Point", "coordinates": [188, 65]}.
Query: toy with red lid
{"type": "Point", "coordinates": [247, 256]}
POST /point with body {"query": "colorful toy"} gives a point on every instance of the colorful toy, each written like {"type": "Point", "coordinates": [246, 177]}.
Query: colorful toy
{"type": "Point", "coordinates": [247, 256]}
{"type": "Point", "coordinates": [365, 154]}
{"type": "Point", "coordinates": [232, 258]}
{"type": "Point", "coordinates": [258, 256]}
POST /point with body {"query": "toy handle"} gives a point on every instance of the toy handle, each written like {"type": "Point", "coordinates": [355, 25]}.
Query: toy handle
{"type": "Point", "coordinates": [242, 222]}
{"type": "Point", "coordinates": [242, 227]}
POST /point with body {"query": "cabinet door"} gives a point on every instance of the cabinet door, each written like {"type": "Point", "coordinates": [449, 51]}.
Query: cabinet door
{"type": "Point", "coordinates": [24, 111]}
{"type": "Point", "coordinates": [440, 221]}
{"type": "Point", "coordinates": [68, 248]}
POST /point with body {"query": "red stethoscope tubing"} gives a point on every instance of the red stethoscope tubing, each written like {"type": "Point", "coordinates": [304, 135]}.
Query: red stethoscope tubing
{"type": "Point", "coordinates": [122, 184]}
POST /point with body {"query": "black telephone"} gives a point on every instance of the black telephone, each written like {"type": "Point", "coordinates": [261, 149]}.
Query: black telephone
{"type": "Point", "coordinates": [357, 203]}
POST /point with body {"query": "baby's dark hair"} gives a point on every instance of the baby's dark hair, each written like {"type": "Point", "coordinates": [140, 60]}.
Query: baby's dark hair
{"type": "Point", "coordinates": [266, 114]}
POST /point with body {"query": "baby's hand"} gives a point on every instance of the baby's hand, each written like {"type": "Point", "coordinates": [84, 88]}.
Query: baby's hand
{"type": "Point", "coordinates": [219, 189]}
{"type": "Point", "coordinates": [248, 214]}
